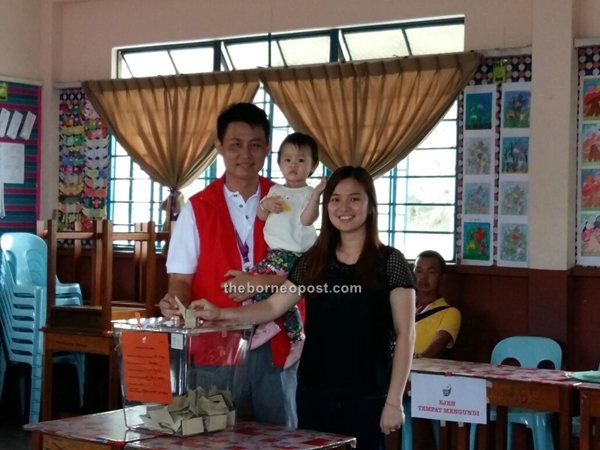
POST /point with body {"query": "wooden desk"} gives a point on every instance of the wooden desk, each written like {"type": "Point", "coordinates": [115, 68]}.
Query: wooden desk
{"type": "Point", "coordinates": [107, 431]}
{"type": "Point", "coordinates": [589, 395]}
{"type": "Point", "coordinates": [104, 431]}
{"type": "Point", "coordinates": [510, 386]}
{"type": "Point", "coordinates": [249, 436]}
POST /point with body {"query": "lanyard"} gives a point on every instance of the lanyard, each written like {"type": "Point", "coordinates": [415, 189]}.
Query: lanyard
{"type": "Point", "coordinates": [244, 250]}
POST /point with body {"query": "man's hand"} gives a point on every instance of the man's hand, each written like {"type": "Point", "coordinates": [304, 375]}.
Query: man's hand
{"type": "Point", "coordinates": [272, 204]}
{"type": "Point", "coordinates": [237, 287]}
{"type": "Point", "coordinates": [168, 307]}
{"type": "Point", "coordinates": [205, 309]}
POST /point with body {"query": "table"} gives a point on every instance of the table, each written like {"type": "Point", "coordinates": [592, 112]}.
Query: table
{"type": "Point", "coordinates": [107, 431]}
{"type": "Point", "coordinates": [589, 394]}
{"type": "Point", "coordinates": [104, 431]}
{"type": "Point", "coordinates": [511, 386]}
{"type": "Point", "coordinates": [250, 436]}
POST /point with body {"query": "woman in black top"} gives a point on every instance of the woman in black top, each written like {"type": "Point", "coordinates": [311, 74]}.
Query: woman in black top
{"type": "Point", "coordinates": [360, 307]}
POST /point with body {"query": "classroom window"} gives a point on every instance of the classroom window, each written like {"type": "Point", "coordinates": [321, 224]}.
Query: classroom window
{"type": "Point", "coordinates": [417, 198]}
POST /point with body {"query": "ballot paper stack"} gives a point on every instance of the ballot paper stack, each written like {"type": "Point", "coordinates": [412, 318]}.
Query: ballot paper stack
{"type": "Point", "coordinates": [197, 412]}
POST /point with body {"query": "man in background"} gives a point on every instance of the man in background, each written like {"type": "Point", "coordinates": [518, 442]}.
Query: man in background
{"type": "Point", "coordinates": [437, 323]}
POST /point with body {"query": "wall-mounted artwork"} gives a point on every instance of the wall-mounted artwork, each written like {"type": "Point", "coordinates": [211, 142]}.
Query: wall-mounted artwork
{"type": "Point", "coordinates": [477, 241]}
{"type": "Point", "coordinates": [514, 156]}
{"type": "Point", "coordinates": [476, 187]}
{"type": "Point", "coordinates": [477, 199]}
{"type": "Point", "coordinates": [514, 198]}
{"type": "Point", "coordinates": [478, 154]}
{"type": "Point", "coordinates": [591, 98]}
{"type": "Point", "coordinates": [589, 237]}
{"type": "Point", "coordinates": [590, 189]}
{"type": "Point", "coordinates": [513, 239]}
{"type": "Point", "coordinates": [84, 162]}
{"type": "Point", "coordinates": [495, 160]}
{"type": "Point", "coordinates": [478, 111]}
{"type": "Point", "coordinates": [516, 109]}
{"type": "Point", "coordinates": [590, 144]}
{"type": "Point", "coordinates": [588, 158]}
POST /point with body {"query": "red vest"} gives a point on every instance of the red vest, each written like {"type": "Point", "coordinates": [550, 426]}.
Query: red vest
{"type": "Point", "coordinates": [218, 254]}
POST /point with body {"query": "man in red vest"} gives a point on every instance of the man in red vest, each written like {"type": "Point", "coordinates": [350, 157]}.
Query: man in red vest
{"type": "Point", "coordinates": [218, 237]}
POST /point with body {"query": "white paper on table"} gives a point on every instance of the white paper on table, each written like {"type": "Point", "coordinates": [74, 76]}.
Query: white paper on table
{"type": "Point", "coordinates": [13, 163]}
{"type": "Point", "coordinates": [15, 123]}
{"type": "Point", "coordinates": [451, 398]}
{"type": "Point", "coordinates": [4, 117]}
{"type": "Point", "coordinates": [28, 125]}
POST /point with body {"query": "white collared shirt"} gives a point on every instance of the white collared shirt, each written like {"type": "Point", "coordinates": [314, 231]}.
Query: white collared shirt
{"type": "Point", "coordinates": [184, 246]}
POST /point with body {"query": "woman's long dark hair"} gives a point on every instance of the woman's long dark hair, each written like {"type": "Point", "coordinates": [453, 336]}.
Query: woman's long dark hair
{"type": "Point", "coordinates": [329, 239]}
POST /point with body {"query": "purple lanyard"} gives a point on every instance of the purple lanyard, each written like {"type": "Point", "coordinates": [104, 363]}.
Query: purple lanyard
{"type": "Point", "coordinates": [244, 250]}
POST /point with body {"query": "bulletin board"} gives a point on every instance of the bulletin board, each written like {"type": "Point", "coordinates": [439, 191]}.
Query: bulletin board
{"type": "Point", "coordinates": [493, 155]}
{"type": "Point", "coordinates": [20, 155]}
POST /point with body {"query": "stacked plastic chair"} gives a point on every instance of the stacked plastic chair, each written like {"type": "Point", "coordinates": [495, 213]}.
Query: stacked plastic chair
{"type": "Point", "coordinates": [23, 274]}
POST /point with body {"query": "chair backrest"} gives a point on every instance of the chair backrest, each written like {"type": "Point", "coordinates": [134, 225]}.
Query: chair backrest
{"type": "Point", "coordinates": [529, 351]}
{"type": "Point", "coordinates": [28, 254]}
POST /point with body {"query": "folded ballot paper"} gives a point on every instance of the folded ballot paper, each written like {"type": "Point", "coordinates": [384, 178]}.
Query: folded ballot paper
{"type": "Point", "coordinates": [197, 412]}
{"type": "Point", "coordinates": [188, 315]}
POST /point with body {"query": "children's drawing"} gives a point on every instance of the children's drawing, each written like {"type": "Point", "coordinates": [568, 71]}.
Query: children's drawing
{"type": "Point", "coordinates": [476, 241]}
{"type": "Point", "coordinates": [590, 189]}
{"type": "Point", "coordinates": [477, 198]}
{"type": "Point", "coordinates": [516, 109]}
{"type": "Point", "coordinates": [590, 144]}
{"type": "Point", "coordinates": [515, 155]}
{"type": "Point", "coordinates": [478, 153]}
{"type": "Point", "coordinates": [591, 98]}
{"type": "Point", "coordinates": [590, 235]}
{"type": "Point", "coordinates": [478, 111]}
{"type": "Point", "coordinates": [514, 196]}
{"type": "Point", "coordinates": [513, 242]}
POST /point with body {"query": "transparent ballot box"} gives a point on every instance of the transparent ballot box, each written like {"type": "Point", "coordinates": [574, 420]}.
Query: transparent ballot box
{"type": "Point", "coordinates": [180, 379]}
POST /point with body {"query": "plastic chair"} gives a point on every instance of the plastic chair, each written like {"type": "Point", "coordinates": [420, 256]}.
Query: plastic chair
{"type": "Point", "coordinates": [27, 255]}
{"type": "Point", "coordinates": [407, 433]}
{"type": "Point", "coordinates": [23, 312]}
{"type": "Point", "coordinates": [2, 362]}
{"type": "Point", "coordinates": [22, 317]}
{"type": "Point", "coordinates": [529, 351]}
{"type": "Point", "coordinates": [576, 424]}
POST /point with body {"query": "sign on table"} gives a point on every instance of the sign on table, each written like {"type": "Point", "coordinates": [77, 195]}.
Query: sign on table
{"type": "Point", "coordinates": [449, 398]}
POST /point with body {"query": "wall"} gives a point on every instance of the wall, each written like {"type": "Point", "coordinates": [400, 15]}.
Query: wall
{"type": "Point", "coordinates": [588, 12]}
{"type": "Point", "coordinates": [20, 39]}
{"type": "Point", "coordinates": [96, 27]}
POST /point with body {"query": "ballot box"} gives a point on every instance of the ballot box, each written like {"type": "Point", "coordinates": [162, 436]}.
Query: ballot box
{"type": "Point", "coordinates": [180, 377]}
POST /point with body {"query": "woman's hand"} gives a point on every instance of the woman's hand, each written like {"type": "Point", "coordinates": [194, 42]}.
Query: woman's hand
{"type": "Point", "coordinates": [272, 204]}
{"type": "Point", "coordinates": [168, 307]}
{"type": "Point", "coordinates": [392, 418]}
{"type": "Point", "coordinates": [240, 286]}
{"type": "Point", "coordinates": [205, 309]}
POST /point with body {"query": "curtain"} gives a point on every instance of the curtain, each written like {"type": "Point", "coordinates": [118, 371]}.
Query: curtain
{"type": "Point", "coordinates": [167, 125]}
{"type": "Point", "coordinates": [373, 113]}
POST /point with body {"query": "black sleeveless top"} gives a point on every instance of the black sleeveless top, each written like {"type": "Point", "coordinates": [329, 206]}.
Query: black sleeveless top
{"type": "Point", "coordinates": [349, 330]}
